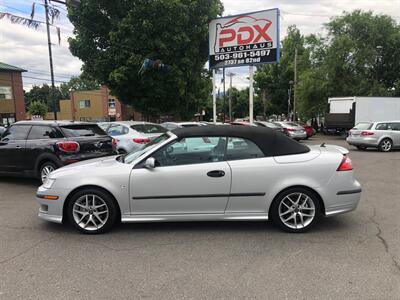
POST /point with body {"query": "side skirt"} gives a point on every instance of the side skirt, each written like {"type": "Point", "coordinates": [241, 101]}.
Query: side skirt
{"type": "Point", "coordinates": [194, 217]}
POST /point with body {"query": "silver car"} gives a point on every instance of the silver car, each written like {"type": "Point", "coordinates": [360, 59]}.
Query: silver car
{"type": "Point", "coordinates": [384, 135]}
{"type": "Point", "coordinates": [293, 130]}
{"type": "Point", "coordinates": [174, 125]}
{"type": "Point", "coordinates": [131, 135]}
{"type": "Point", "coordinates": [240, 173]}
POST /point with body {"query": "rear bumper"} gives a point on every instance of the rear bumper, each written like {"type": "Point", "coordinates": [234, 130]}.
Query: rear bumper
{"type": "Point", "coordinates": [346, 201]}
{"type": "Point", "coordinates": [69, 159]}
{"type": "Point", "coordinates": [362, 141]}
{"type": "Point", "coordinates": [298, 135]}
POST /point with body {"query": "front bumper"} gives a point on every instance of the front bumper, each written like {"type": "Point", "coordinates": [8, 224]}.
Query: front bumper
{"type": "Point", "coordinates": [51, 210]}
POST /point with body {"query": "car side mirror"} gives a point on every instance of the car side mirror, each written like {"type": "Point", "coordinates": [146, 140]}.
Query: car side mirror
{"type": "Point", "coordinates": [150, 163]}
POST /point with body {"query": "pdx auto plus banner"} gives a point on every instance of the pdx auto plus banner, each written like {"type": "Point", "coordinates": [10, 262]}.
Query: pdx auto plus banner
{"type": "Point", "coordinates": [245, 39]}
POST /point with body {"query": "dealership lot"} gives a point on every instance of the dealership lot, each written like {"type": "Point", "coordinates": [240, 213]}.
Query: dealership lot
{"type": "Point", "coordinates": [356, 255]}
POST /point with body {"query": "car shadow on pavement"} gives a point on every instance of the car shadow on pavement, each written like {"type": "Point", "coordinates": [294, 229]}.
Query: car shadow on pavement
{"type": "Point", "coordinates": [325, 225]}
{"type": "Point", "coordinates": [19, 181]}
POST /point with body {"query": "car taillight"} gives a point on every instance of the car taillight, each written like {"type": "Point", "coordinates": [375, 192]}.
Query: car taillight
{"type": "Point", "coordinates": [68, 146]}
{"type": "Point", "coordinates": [365, 133]}
{"type": "Point", "coordinates": [114, 142]}
{"type": "Point", "coordinates": [345, 164]}
{"type": "Point", "coordinates": [290, 129]}
{"type": "Point", "coordinates": [141, 140]}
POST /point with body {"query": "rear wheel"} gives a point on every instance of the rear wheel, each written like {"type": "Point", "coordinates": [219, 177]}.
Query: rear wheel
{"type": "Point", "coordinates": [92, 211]}
{"type": "Point", "coordinates": [385, 145]}
{"type": "Point", "coordinates": [45, 169]}
{"type": "Point", "coordinates": [361, 147]}
{"type": "Point", "coordinates": [296, 210]}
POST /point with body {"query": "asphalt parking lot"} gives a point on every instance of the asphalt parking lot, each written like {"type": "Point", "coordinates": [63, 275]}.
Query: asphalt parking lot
{"type": "Point", "coordinates": [352, 256]}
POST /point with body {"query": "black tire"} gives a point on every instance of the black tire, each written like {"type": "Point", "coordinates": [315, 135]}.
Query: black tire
{"type": "Point", "coordinates": [385, 145]}
{"type": "Point", "coordinates": [309, 223]}
{"type": "Point", "coordinates": [112, 216]}
{"type": "Point", "coordinates": [44, 168]}
{"type": "Point", "coordinates": [361, 148]}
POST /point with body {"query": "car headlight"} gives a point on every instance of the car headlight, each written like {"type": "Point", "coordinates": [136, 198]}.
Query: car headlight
{"type": "Point", "coordinates": [48, 183]}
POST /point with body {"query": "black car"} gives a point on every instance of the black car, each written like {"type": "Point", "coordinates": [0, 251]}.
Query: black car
{"type": "Point", "coordinates": [35, 148]}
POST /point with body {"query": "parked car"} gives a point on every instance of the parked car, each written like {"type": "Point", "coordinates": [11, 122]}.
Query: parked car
{"type": "Point", "coordinates": [36, 148]}
{"type": "Point", "coordinates": [242, 123]}
{"type": "Point", "coordinates": [384, 135]}
{"type": "Point", "coordinates": [272, 125]}
{"type": "Point", "coordinates": [131, 135]}
{"type": "Point", "coordinates": [310, 131]}
{"type": "Point", "coordinates": [293, 130]}
{"type": "Point", "coordinates": [251, 173]}
{"type": "Point", "coordinates": [174, 125]}
{"type": "Point", "coordinates": [2, 129]}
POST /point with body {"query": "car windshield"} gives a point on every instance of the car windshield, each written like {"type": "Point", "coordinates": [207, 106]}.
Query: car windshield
{"type": "Point", "coordinates": [363, 126]}
{"type": "Point", "coordinates": [131, 156]}
{"type": "Point", "coordinates": [82, 130]}
{"type": "Point", "coordinates": [149, 128]}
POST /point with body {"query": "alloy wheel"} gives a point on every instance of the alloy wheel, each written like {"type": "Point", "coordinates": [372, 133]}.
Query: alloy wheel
{"type": "Point", "coordinates": [296, 210]}
{"type": "Point", "coordinates": [45, 172]}
{"type": "Point", "coordinates": [90, 212]}
{"type": "Point", "coordinates": [386, 145]}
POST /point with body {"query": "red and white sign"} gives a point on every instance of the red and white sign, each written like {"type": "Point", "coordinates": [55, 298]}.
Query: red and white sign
{"type": "Point", "coordinates": [245, 39]}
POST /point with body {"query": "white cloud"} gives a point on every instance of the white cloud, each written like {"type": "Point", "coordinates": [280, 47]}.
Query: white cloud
{"type": "Point", "coordinates": [27, 48]}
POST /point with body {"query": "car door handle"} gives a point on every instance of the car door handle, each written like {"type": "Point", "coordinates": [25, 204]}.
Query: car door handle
{"type": "Point", "coordinates": [216, 173]}
{"type": "Point", "coordinates": [18, 147]}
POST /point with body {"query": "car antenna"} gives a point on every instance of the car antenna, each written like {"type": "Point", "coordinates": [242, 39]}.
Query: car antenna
{"type": "Point", "coordinates": [323, 145]}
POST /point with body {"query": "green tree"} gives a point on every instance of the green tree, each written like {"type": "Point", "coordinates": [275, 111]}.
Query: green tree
{"type": "Point", "coordinates": [274, 79]}
{"type": "Point", "coordinates": [82, 82]}
{"type": "Point", "coordinates": [362, 56]}
{"type": "Point", "coordinates": [37, 108]}
{"type": "Point", "coordinates": [113, 38]}
{"type": "Point", "coordinates": [43, 94]}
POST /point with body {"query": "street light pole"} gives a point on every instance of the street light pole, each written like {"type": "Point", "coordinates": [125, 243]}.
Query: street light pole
{"type": "Point", "coordinates": [295, 85]}
{"type": "Point", "coordinates": [46, 8]}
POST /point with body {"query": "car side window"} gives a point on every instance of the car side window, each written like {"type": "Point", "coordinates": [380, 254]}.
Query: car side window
{"type": "Point", "coordinates": [117, 130]}
{"type": "Point", "coordinates": [381, 126]}
{"type": "Point", "coordinates": [239, 148]}
{"type": "Point", "coordinates": [192, 150]}
{"type": "Point", "coordinates": [395, 126]}
{"type": "Point", "coordinates": [16, 133]}
{"type": "Point", "coordinates": [43, 132]}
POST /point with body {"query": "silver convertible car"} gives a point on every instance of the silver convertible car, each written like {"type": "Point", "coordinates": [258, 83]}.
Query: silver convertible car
{"type": "Point", "coordinates": [204, 173]}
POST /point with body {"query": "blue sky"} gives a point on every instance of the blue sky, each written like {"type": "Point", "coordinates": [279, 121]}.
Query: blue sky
{"type": "Point", "coordinates": [27, 48]}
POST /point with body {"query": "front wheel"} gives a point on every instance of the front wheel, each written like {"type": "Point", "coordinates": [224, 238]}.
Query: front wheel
{"type": "Point", "coordinates": [92, 211]}
{"type": "Point", "coordinates": [296, 210]}
{"type": "Point", "coordinates": [385, 145]}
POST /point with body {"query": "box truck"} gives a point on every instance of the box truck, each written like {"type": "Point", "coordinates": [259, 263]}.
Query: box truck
{"type": "Point", "coordinates": [345, 112]}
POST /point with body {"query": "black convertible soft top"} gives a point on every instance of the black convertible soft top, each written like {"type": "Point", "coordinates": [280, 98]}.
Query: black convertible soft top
{"type": "Point", "coordinates": [271, 143]}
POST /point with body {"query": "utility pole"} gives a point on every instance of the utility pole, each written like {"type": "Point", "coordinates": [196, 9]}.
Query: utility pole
{"type": "Point", "coordinates": [295, 85]}
{"type": "Point", "coordinates": [46, 7]}
{"type": "Point", "coordinates": [230, 95]}
{"type": "Point", "coordinates": [223, 78]}
{"type": "Point", "coordinates": [251, 94]}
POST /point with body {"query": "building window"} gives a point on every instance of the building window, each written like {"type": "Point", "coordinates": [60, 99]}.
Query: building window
{"type": "Point", "coordinates": [85, 119]}
{"type": "Point", "coordinates": [5, 92]}
{"type": "Point", "coordinates": [84, 103]}
{"type": "Point", "coordinates": [111, 103]}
